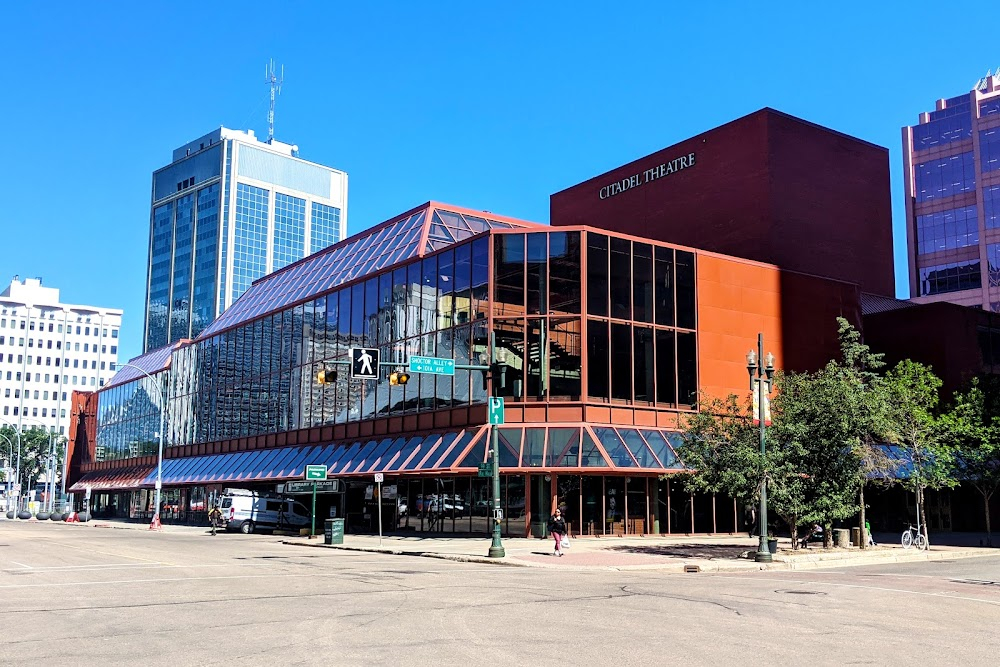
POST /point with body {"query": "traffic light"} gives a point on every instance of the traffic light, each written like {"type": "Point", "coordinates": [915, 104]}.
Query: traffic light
{"type": "Point", "coordinates": [326, 376]}
{"type": "Point", "coordinates": [399, 378]}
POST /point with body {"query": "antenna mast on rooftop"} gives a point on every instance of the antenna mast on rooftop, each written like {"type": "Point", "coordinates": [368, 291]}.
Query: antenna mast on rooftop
{"type": "Point", "coordinates": [274, 81]}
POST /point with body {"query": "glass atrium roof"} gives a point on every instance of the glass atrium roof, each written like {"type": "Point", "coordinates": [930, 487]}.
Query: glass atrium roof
{"type": "Point", "coordinates": [599, 449]}
{"type": "Point", "coordinates": [153, 361]}
{"type": "Point", "coordinates": [413, 234]}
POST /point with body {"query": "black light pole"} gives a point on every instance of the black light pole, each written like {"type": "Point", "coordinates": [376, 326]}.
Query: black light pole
{"type": "Point", "coordinates": [761, 376]}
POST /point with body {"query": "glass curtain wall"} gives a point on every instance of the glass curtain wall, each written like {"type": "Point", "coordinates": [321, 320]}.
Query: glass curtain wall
{"type": "Point", "coordinates": [261, 377]}
{"type": "Point", "coordinates": [640, 319]}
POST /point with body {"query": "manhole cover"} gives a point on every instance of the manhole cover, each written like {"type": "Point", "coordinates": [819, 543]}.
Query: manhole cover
{"type": "Point", "coordinates": [795, 592]}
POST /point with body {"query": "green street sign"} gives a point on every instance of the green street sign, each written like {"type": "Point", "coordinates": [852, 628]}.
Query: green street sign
{"type": "Point", "coordinates": [432, 365]}
{"type": "Point", "coordinates": [485, 469]}
{"type": "Point", "coordinates": [326, 486]}
{"type": "Point", "coordinates": [496, 410]}
{"type": "Point", "coordinates": [316, 472]}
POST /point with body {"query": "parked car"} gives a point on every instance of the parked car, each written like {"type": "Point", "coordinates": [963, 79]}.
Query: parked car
{"type": "Point", "coordinates": [246, 511]}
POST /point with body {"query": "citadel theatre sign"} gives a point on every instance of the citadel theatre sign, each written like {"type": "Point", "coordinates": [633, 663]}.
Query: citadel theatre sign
{"type": "Point", "coordinates": [647, 176]}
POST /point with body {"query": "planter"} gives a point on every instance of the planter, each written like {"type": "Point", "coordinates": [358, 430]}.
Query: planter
{"type": "Point", "coordinates": [11, 514]}
{"type": "Point", "coordinates": [42, 516]}
{"type": "Point", "coordinates": [772, 546]}
{"type": "Point", "coordinates": [56, 516]}
{"type": "Point", "coordinates": [24, 514]}
{"type": "Point", "coordinates": [84, 516]}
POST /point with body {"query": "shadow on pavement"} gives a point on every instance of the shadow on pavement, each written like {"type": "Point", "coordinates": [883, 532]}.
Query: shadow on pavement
{"type": "Point", "coordinates": [706, 551]}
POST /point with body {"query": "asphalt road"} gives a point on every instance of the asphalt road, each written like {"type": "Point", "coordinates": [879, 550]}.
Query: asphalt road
{"type": "Point", "coordinates": [87, 596]}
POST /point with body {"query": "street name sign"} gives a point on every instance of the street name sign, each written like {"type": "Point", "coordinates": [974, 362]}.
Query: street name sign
{"type": "Point", "coordinates": [496, 409]}
{"type": "Point", "coordinates": [432, 365]}
{"type": "Point", "coordinates": [315, 472]}
{"type": "Point", "coordinates": [364, 363]}
{"type": "Point", "coordinates": [326, 486]}
{"type": "Point", "coordinates": [485, 470]}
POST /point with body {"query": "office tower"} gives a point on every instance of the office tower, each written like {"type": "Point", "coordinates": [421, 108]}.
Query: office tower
{"type": "Point", "coordinates": [951, 172]}
{"type": "Point", "coordinates": [227, 210]}
{"type": "Point", "coordinates": [49, 349]}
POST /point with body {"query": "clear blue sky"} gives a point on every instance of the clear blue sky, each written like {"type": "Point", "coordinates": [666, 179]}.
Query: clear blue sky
{"type": "Point", "coordinates": [487, 105]}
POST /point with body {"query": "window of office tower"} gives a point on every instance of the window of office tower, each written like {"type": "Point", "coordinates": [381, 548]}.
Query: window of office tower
{"type": "Point", "coordinates": [250, 244]}
{"type": "Point", "coordinates": [289, 230]}
{"type": "Point", "coordinates": [325, 226]}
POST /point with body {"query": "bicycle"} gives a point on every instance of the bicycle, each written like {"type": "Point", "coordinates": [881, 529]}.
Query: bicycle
{"type": "Point", "coordinates": [913, 537]}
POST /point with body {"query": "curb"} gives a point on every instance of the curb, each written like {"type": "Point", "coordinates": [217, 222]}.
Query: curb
{"type": "Point", "coordinates": [724, 567]}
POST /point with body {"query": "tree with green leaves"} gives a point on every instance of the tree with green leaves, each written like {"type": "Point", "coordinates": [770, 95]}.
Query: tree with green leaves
{"type": "Point", "coordinates": [34, 452]}
{"type": "Point", "coordinates": [838, 417]}
{"type": "Point", "coordinates": [974, 434]}
{"type": "Point", "coordinates": [913, 389]}
{"type": "Point", "coordinates": [722, 449]}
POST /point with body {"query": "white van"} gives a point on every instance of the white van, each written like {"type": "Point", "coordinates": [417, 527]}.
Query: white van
{"type": "Point", "coordinates": [246, 511]}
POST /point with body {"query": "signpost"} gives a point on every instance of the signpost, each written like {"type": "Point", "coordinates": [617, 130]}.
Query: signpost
{"type": "Point", "coordinates": [496, 410]}
{"type": "Point", "coordinates": [326, 486]}
{"type": "Point", "coordinates": [432, 365]}
{"type": "Point", "coordinates": [315, 473]}
{"type": "Point", "coordinates": [379, 478]}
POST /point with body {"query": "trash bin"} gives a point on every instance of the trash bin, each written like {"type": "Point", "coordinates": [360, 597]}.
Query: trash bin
{"type": "Point", "coordinates": [841, 538]}
{"type": "Point", "coordinates": [333, 531]}
{"type": "Point", "coordinates": [856, 536]}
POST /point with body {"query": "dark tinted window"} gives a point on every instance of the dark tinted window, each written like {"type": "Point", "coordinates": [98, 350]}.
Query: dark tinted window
{"type": "Point", "coordinates": [621, 361]}
{"type": "Point", "coordinates": [642, 282]}
{"type": "Point", "coordinates": [685, 290]}
{"type": "Point", "coordinates": [564, 357]}
{"type": "Point", "coordinates": [642, 365]}
{"type": "Point", "coordinates": [687, 369]}
{"type": "Point", "coordinates": [597, 274]}
{"type": "Point", "coordinates": [598, 352]}
{"type": "Point", "coordinates": [621, 279]}
{"type": "Point", "coordinates": [510, 342]}
{"type": "Point", "coordinates": [666, 387]}
{"type": "Point", "coordinates": [509, 267]}
{"type": "Point", "coordinates": [663, 278]}
{"type": "Point", "coordinates": [564, 272]}
{"type": "Point", "coordinates": [537, 270]}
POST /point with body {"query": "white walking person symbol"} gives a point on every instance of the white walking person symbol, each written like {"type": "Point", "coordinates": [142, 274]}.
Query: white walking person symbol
{"type": "Point", "coordinates": [366, 362]}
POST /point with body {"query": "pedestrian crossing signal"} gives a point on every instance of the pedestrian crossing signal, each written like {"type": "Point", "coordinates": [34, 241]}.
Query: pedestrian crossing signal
{"type": "Point", "coordinates": [326, 376]}
{"type": "Point", "coordinates": [399, 378]}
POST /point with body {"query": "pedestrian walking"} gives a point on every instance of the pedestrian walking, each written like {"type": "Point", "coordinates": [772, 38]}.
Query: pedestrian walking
{"type": "Point", "coordinates": [750, 517]}
{"type": "Point", "coordinates": [214, 516]}
{"type": "Point", "coordinates": [868, 530]}
{"type": "Point", "coordinates": [557, 528]}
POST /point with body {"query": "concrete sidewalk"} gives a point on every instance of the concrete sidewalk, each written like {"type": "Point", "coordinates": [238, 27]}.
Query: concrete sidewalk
{"type": "Point", "coordinates": [671, 554]}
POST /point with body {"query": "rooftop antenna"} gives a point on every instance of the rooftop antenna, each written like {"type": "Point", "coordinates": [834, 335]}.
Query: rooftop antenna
{"type": "Point", "coordinates": [274, 81]}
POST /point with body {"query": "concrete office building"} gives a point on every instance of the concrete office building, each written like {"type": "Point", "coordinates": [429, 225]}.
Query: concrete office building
{"type": "Point", "coordinates": [951, 172]}
{"type": "Point", "coordinates": [49, 349]}
{"type": "Point", "coordinates": [227, 210]}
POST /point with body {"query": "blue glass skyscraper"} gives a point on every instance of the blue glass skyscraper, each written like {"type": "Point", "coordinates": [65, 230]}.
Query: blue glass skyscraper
{"type": "Point", "coordinates": [227, 210]}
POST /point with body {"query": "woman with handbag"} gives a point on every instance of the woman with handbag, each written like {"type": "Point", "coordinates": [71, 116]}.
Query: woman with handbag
{"type": "Point", "coordinates": [557, 528]}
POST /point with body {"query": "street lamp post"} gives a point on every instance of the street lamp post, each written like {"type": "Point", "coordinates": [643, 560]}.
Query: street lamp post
{"type": "Point", "coordinates": [496, 547]}
{"type": "Point", "coordinates": [761, 376]}
{"type": "Point", "coordinates": [155, 523]}
{"type": "Point", "coordinates": [7, 476]}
